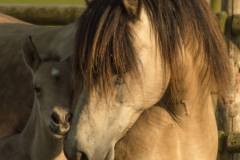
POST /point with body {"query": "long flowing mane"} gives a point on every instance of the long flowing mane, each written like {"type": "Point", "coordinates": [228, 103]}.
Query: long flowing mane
{"type": "Point", "coordinates": [104, 42]}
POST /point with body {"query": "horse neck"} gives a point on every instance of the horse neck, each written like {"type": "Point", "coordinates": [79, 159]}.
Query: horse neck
{"type": "Point", "coordinates": [58, 40]}
{"type": "Point", "coordinates": [38, 138]}
{"type": "Point", "coordinates": [195, 93]}
{"type": "Point", "coordinates": [157, 128]}
{"type": "Point", "coordinates": [64, 40]}
{"type": "Point", "coordinates": [193, 109]}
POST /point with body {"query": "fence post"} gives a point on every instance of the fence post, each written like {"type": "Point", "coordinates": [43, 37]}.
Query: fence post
{"type": "Point", "coordinates": [222, 113]}
{"type": "Point", "coordinates": [227, 116]}
{"type": "Point", "coordinates": [44, 14]}
{"type": "Point", "coordinates": [216, 5]}
{"type": "Point", "coordinates": [235, 46]}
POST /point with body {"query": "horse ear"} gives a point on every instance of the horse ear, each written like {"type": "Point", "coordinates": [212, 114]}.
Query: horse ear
{"type": "Point", "coordinates": [89, 1]}
{"type": "Point", "coordinates": [30, 54]}
{"type": "Point", "coordinates": [68, 60]}
{"type": "Point", "coordinates": [132, 6]}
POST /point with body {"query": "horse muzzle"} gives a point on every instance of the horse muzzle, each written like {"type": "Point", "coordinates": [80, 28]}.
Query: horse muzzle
{"type": "Point", "coordinates": [60, 121]}
{"type": "Point", "coordinates": [75, 154]}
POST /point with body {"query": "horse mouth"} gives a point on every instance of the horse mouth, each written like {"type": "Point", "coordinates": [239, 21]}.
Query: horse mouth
{"type": "Point", "coordinates": [57, 134]}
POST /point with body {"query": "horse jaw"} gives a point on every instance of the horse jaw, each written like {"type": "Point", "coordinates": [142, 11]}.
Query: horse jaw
{"type": "Point", "coordinates": [98, 124]}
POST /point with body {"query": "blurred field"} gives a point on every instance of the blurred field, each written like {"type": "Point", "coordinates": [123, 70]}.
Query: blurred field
{"type": "Point", "coordinates": [42, 2]}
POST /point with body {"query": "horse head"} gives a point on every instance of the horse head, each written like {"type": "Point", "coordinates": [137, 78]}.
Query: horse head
{"type": "Point", "coordinates": [52, 85]}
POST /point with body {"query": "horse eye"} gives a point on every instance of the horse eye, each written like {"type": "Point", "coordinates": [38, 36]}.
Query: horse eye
{"type": "Point", "coordinates": [119, 81]}
{"type": "Point", "coordinates": [37, 90]}
{"type": "Point", "coordinates": [57, 78]}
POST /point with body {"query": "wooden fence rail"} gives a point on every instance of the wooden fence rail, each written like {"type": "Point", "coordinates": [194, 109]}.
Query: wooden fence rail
{"type": "Point", "coordinates": [44, 14]}
{"type": "Point", "coordinates": [65, 14]}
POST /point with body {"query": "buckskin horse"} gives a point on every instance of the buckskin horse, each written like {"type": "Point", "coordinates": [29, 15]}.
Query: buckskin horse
{"type": "Point", "coordinates": [133, 54]}
{"type": "Point", "coordinates": [166, 106]}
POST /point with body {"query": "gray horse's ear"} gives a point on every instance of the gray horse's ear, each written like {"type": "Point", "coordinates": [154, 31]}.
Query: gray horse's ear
{"type": "Point", "coordinates": [89, 1]}
{"type": "Point", "coordinates": [30, 54]}
{"type": "Point", "coordinates": [132, 7]}
{"type": "Point", "coordinates": [68, 59]}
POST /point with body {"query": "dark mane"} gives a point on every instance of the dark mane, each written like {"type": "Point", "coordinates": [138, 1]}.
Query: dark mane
{"type": "Point", "coordinates": [104, 42]}
{"type": "Point", "coordinates": [193, 23]}
{"type": "Point", "coordinates": [103, 46]}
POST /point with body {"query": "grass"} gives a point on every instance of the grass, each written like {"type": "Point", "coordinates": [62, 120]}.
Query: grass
{"type": "Point", "coordinates": [42, 2]}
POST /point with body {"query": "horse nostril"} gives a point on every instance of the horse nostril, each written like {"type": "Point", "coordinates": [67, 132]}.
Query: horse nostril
{"type": "Point", "coordinates": [81, 156]}
{"type": "Point", "coordinates": [68, 117]}
{"type": "Point", "coordinates": [55, 118]}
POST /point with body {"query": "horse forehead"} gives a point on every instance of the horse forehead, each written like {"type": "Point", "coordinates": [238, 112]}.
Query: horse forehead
{"type": "Point", "coordinates": [54, 68]}
{"type": "Point", "coordinates": [50, 69]}
{"type": "Point", "coordinates": [55, 71]}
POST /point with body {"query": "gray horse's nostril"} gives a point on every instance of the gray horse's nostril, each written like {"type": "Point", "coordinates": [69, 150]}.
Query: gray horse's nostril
{"type": "Point", "coordinates": [68, 117]}
{"type": "Point", "coordinates": [61, 117]}
{"type": "Point", "coordinates": [55, 118]}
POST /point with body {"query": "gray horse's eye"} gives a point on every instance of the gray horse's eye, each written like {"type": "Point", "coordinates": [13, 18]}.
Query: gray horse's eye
{"type": "Point", "coordinates": [37, 90]}
{"type": "Point", "coordinates": [57, 78]}
{"type": "Point", "coordinates": [119, 81]}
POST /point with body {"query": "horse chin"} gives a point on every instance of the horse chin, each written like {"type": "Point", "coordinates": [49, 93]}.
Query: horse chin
{"type": "Point", "coordinates": [109, 155]}
{"type": "Point", "coordinates": [57, 134]}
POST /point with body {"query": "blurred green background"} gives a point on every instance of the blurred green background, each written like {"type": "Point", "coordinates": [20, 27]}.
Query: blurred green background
{"type": "Point", "coordinates": [42, 1]}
